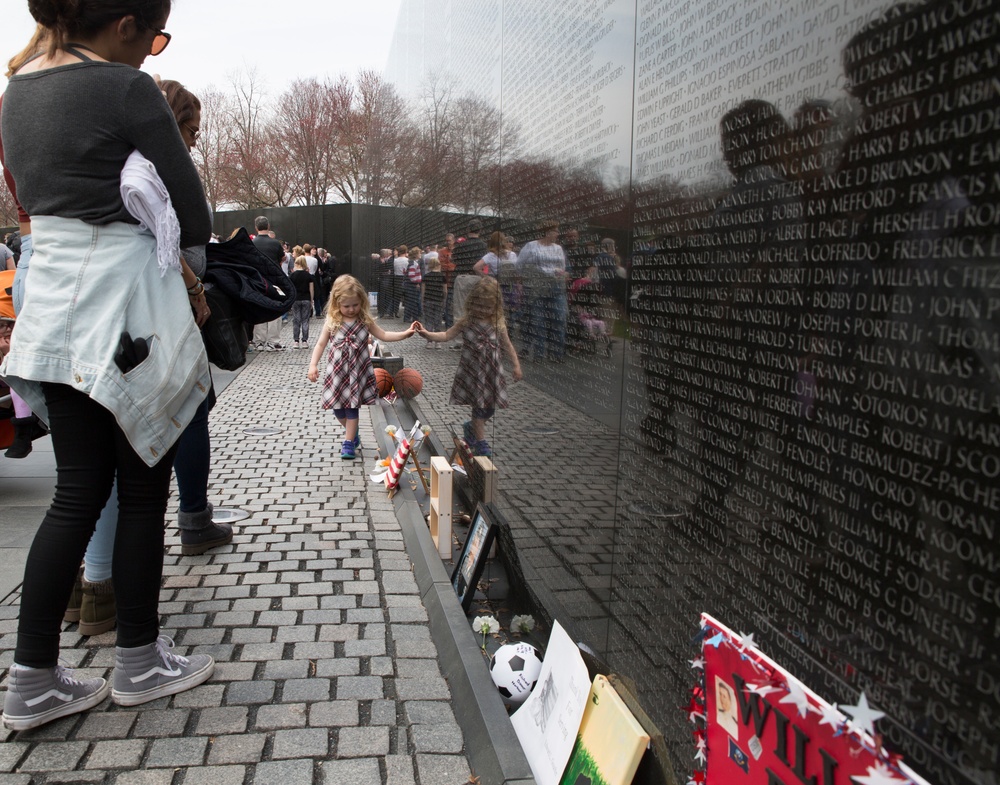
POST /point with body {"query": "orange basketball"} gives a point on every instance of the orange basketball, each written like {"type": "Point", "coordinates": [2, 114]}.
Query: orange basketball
{"type": "Point", "coordinates": [383, 382]}
{"type": "Point", "coordinates": [408, 383]}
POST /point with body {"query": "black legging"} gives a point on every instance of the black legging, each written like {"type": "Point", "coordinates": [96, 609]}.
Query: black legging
{"type": "Point", "coordinates": [89, 449]}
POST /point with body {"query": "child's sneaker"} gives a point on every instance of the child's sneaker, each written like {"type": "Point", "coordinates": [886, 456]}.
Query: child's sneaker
{"type": "Point", "coordinates": [39, 695]}
{"type": "Point", "coordinates": [144, 673]}
{"type": "Point", "coordinates": [357, 442]}
{"type": "Point", "coordinates": [470, 438]}
{"type": "Point", "coordinates": [482, 447]}
{"type": "Point", "coordinates": [347, 451]}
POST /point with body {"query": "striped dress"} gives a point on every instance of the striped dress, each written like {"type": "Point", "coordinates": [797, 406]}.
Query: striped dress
{"type": "Point", "coordinates": [479, 381]}
{"type": "Point", "coordinates": [350, 378]}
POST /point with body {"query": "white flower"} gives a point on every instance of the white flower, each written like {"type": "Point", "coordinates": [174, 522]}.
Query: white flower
{"type": "Point", "coordinates": [426, 429]}
{"type": "Point", "coordinates": [524, 623]}
{"type": "Point", "coordinates": [391, 430]}
{"type": "Point", "coordinates": [485, 625]}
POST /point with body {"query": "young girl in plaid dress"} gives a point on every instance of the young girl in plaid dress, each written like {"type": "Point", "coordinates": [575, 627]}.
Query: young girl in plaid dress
{"type": "Point", "coordinates": [349, 382]}
{"type": "Point", "coordinates": [479, 381]}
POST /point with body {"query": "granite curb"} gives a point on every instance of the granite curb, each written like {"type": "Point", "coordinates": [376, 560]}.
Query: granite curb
{"type": "Point", "coordinates": [493, 749]}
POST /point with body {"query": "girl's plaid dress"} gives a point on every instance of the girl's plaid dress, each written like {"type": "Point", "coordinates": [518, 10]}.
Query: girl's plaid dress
{"type": "Point", "coordinates": [479, 381]}
{"type": "Point", "coordinates": [350, 379]}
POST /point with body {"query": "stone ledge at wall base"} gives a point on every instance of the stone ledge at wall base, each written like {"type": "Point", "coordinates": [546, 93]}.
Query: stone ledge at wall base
{"type": "Point", "coordinates": [491, 746]}
{"type": "Point", "coordinates": [390, 362]}
{"type": "Point", "coordinates": [655, 767]}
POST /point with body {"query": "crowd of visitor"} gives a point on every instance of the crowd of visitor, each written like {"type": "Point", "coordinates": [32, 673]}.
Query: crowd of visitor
{"type": "Point", "coordinates": [557, 293]}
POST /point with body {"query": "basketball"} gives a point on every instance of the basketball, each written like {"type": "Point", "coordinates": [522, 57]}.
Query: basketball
{"type": "Point", "coordinates": [383, 382]}
{"type": "Point", "coordinates": [408, 383]}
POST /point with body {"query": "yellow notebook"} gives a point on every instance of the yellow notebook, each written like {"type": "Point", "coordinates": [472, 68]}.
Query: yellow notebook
{"type": "Point", "coordinates": [610, 743]}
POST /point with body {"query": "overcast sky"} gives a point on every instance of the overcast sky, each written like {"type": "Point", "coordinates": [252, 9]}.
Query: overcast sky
{"type": "Point", "coordinates": [284, 39]}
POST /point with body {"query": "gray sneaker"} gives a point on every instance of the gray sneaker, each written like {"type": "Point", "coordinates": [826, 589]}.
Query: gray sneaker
{"type": "Point", "coordinates": [145, 673]}
{"type": "Point", "coordinates": [41, 695]}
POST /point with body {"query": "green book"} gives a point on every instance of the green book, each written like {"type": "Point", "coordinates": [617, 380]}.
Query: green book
{"type": "Point", "coordinates": [610, 743]}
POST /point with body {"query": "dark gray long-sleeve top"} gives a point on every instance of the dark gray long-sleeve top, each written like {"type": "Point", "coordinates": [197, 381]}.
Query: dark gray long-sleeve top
{"type": "Point", "coordinates": [68, 130]}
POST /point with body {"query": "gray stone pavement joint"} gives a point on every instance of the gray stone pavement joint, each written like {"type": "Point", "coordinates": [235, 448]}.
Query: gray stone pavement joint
{"type": "Point", "coordinates": [327, 670]}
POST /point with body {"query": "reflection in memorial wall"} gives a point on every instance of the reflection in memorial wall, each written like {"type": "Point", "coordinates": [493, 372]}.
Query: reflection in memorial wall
{"type": "Point", "coordinates": [770, 380]}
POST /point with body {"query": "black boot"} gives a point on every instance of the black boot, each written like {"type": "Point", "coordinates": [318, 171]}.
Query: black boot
{"type": "Point", "coordinates": [26, 430]}
{"type": "Point", "coordinates": [199, 533]}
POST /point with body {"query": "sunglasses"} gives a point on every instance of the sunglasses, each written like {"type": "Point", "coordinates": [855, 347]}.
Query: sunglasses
{"type": "Point", "coordinates": [195, 132]}
{"type": "Point", "coordinates": [160, 41]}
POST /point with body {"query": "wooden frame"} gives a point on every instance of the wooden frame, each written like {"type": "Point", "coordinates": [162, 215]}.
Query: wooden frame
{"type": "Point", "coordinates": [441, 505]}
{"type": "Point", "coordinates": [470, 563]}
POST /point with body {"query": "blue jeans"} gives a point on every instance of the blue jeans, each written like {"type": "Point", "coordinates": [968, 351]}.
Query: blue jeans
{"type": "Point", "coordinates": [193, 460]}
{"type": "Point", "coordinates": [17, 294]}
{"type": "Point", "coordinates": [301, 311]}
{"type": "Point", "coordinates": [548, 323]}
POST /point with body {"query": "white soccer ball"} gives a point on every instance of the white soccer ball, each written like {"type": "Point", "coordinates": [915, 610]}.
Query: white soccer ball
{"type": "Point", "coordinates": [514, 669]}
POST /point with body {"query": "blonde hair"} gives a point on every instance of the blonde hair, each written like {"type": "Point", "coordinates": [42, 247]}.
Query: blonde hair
{"type": "Point", "coordinates": [301, 263]}
{"type": "Point", "coordinates": [297, 251]}
{"type": "Point", "coordinates": [484, 303]}
{"type": "Point", "coordinates": [433, 264]}
{"type": "Point", "coordinates": [414, 252]}
{"type": "Point", "coordinates": [496, 242]}
{"type": "Point", "coordinates": [34, 46]}
{"type": "Point", "coordinates": [347, 286]}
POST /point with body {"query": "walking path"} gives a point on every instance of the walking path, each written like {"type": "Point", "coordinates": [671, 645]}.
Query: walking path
{"type": "Point", "coordinates": [326, 670]}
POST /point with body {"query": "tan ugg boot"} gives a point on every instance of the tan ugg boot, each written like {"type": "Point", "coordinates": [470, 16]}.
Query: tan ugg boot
{"type": "Point", "coordinates": [75, 600]}
{"type": "Point", "coordinates": [98, 610]}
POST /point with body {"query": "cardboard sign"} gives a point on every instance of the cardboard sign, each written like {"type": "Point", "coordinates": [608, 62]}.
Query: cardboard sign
{"type": "Point", "coordinates": [762, 726]}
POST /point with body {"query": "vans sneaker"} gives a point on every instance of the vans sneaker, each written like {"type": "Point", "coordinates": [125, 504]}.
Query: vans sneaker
{"type": "Point", "coordinates": [145, 673]}
{"type": "Point", "coordinates": [39, 695]}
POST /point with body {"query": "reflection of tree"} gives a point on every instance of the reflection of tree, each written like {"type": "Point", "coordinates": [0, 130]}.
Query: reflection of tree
{"type": "Point", "coordinates": [8, 209]}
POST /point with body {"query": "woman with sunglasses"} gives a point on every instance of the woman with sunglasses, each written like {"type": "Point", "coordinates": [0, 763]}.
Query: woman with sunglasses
{"type": "Point", "coordinates": [106, 349]}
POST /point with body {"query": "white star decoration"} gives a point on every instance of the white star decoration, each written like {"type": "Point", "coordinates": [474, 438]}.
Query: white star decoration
{"type": "Point", "coordinates": [879, 774]}
{"type": "Point", "coordinates": [697, 663]}
{"type": "Point", "coordinates": [747, 640]}
{"type": "Point", "coordinates": [797, 696]}
{"type": "Point", "coordinates": [700, 754]}
{"type": "Point", "coordinates": [831, 716]}
{"type": "Point", "coordinates": [863, 716]}
{"type": "Point", "coordinates": [763, 689]}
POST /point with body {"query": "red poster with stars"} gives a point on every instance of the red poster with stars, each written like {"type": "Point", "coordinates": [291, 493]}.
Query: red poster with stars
{"type": "Point", "coordinates": [756, 724]}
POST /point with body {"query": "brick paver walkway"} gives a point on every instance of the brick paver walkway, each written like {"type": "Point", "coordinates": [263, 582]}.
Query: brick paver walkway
{"type": "Point", "coordinates": [326, 670]}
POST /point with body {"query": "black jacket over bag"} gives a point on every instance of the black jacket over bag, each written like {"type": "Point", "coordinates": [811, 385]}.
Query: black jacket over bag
{"type": "Point", "coordinates": [243, 287]}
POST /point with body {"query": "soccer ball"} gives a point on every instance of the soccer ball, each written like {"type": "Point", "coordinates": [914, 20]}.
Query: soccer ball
{"type": "Point", "coordinates": [514, 670]}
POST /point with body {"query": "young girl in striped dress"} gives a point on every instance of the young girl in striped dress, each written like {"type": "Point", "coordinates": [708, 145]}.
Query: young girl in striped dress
{"type": "Point", "coordinates": [349, 382]}
{"type": "Point", "coordinates": [479, 381]}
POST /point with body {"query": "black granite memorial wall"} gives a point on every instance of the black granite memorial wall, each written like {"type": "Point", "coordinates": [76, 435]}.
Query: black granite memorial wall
{"type": "Point", "coordinates": [769, 386]}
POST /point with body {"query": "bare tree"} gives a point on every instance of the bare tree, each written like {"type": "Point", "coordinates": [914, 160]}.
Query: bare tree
{"type": "Point", "coordinates": [8, 207]}
{"type": "Point", "coordinates": [307, 131]}
{"type": "Point", "coordinates": [245, 163]}
{"type": "Point", "coordinates": [211, 150]}
{"type": "Point", "coordinates": [377, 146]}
{"type": "Point", "coordinates": [480, 137]}
{"type": "Point", "coordinates": [435, 174]}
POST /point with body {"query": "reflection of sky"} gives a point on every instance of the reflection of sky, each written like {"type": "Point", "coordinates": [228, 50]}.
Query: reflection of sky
{"type": "Point", "coordinates": [694, 62]}
{"type": "Point", "coordinates": [566, 68]}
